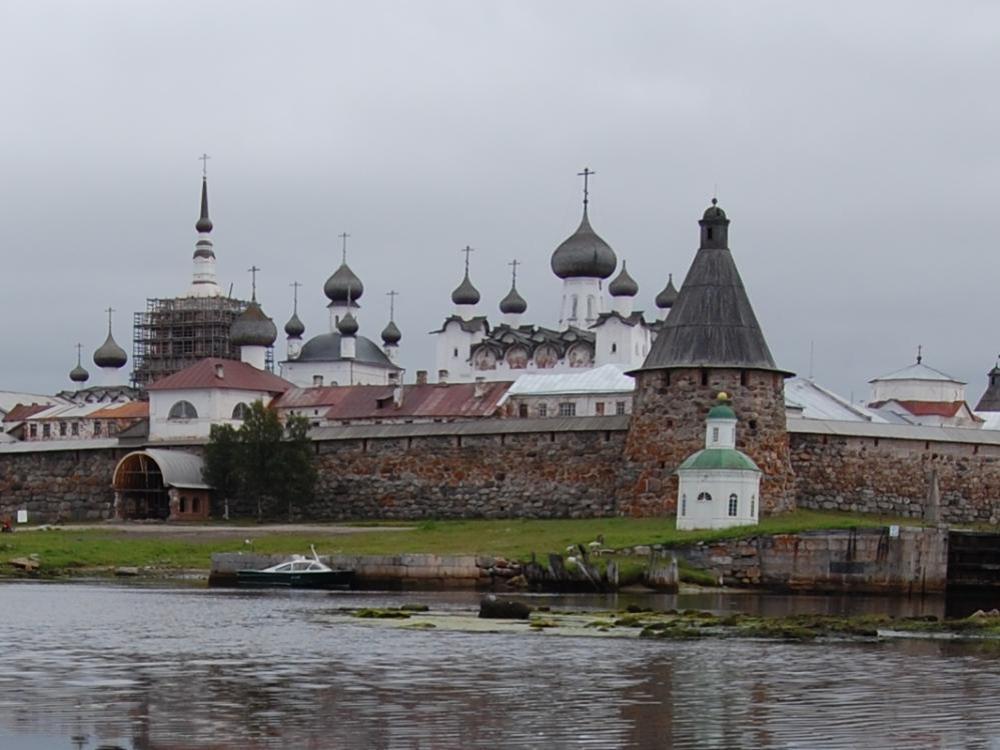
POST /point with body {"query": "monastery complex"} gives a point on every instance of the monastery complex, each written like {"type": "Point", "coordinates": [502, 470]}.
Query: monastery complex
{"type": "Point", "coordinates": [608, 411]}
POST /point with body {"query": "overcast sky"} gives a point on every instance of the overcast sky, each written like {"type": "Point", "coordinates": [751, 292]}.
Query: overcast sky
{"type": "Point", "coordinates": [853, 145]}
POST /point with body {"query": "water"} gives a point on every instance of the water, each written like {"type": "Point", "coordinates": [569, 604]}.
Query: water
{"type": "Point", "coordinates": [87, 666]}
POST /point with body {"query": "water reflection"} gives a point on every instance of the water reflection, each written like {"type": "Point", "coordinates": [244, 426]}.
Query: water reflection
{"type": "Point", "coordinates": [144, 669]}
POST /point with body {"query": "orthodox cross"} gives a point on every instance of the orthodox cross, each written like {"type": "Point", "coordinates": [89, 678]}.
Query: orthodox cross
{"type": "Point", "coordinates": [204, 164]}
{"type": "Point", "coordinates": [513, 276]}
{"type": "Point", "coordinates": [295, 296]}
{"type": "Point", "coordinates": [79, 348]}
{"type": "Point", "coordinates": [109, 311]}
{"type": "Point", "coordinates": [253, 282]}
{"type": "Point", "coordinates": [585, 174]}
{"type": "Point", "coordinates": [392, 294]}
{"type": "Point", "coordinates": [920, 353]}
{"type": "Point", "coordinates": [467, 250]}
{"type": "Point", "coordinates": [343, 250]}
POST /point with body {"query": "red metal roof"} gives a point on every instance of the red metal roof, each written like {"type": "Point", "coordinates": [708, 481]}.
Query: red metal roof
{"type": "Point", "coordinates": [926, 408]}
{"type": "Point", "coordinates": [129, 410]}
{"type": "Point", "coordinates": [235, 375]}
{"type": "Point", "coordinates": [22, 411]}
{"type": "Point", "coordinates": [431, 401]}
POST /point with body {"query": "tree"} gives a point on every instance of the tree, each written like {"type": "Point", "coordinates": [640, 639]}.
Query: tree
{"type": "Point", "coordinates": [264, 461]}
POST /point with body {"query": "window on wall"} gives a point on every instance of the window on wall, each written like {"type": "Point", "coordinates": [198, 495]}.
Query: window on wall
{"type": "Point", "coordinates": [684, 505]}
{"type": "Point", "coordinates": [522, 410]}
{"type": "Point", "coordinates": [715, 434]}
{"type": "Point", "coordinates": [62, 429]}
{"type": "Point", "coordinates": [614, 348]}
{"type": "Point", "coordinates": [620, 408]}
{"type": "Point", "coordinates": [753, 499]}
{"type": "Point", "coordinates": [733, 504]}
{"type": "Point", "coordinates": [599, 408]}
{"type": "Point", "coordinates": [543, 410]}
{"type": "Point", "coordinates": [184, 504]}
{"type": "Point", "coordinates": [46, 430]}
{"type": "Point", "coordinates": [241, 411]}
{"type": "Point", "coordinates": [590, 307]}
{"type": "Point", "coordinates": [75, 428]}
{"type": "Point", "coordinates": [576, 302]}
{"type": "Point", "coordinates": [97, 428]}
{"type": "Point", "coordinates": [704, 497]}
{"type": "Point", "coordinates": [183, 410]}
{"type": "Point", "coordinates": [567, 409]}
{"type": "Point", "coordinates": [33, 430]}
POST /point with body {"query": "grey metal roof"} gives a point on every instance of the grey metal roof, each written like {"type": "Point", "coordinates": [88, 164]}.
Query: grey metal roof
{"type": "Point", "coordinates": [465, 293]}
{"type": "Point", "coordinates": [343, 286]}
{"type": "Point", "coordinates": [513, 302]}
{"type": "Point", "coordinates": [918, 371]}
{"type": "Point", "coordinates": [472, 427]}
{"type": "Point", "coordinates": [991, 397]}
{"type": "Point", "coordinates": [841, 428]}
{"type": "Point", "coordinates": [179, 468]}
{"type": "Point", "coordinates": [584, 254]}
{"type": "Point", "coordinates": [252, 328]}
{"type": "Point", "coordinates": [47, 446]}
{"type": "Point", "coordinates": [326, 348]}
{"type": "Point", "coordinates": [472, 325]}
{"type": "Point", "coordinates": [623, 285]}
{"type": "Point", "coordinates": [712, 324]}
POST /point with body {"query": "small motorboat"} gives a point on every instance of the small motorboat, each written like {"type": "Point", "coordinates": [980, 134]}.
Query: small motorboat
{"type": "Point", "coordinates": [298, 573]}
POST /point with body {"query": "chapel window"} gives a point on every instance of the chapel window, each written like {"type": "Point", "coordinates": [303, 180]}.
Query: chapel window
{"type": "Point", "coordinates": [705, 497]}
{"type": "Point", "coordinates": [733, 504]}
{"type": "Point", "coordinates": [715, 434]}
{"type": "Point", "coordinates": [241, 411]}
{"type": "Point", "coordinates": [684, 505]}
{"type": "Point", "coordinates": [182, 410]}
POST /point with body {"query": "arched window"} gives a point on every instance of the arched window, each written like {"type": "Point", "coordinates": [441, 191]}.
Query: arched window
{"type": "Point", "coordinates": [241, 411]}
{"type": "Point", "coordinates": [614, 348]}
{"type": "Point", "coordinates": [590, 307]}
{"type": "Point", "coordinates": [705, 497]}
{"type": "Point", "coordinates": [733, 504]}
{"type": "Point", "coordinates": [684, 504]}
{"type": "Point", "coordinates": [576, 301]}
{"type": "Point", "coordinates": [183, 410]}
{"type": "Point", "coordinates": [753, 498]}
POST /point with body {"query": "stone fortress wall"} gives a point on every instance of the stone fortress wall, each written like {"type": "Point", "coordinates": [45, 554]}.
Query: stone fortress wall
{"type": "Point", "coordinates": [551, 468]}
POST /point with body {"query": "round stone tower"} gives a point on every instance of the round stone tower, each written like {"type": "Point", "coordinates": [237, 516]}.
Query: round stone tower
{"type": "Point", "coordinates": [709, 342]}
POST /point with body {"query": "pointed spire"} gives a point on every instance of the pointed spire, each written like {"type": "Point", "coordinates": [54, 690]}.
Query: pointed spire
{"type": "Point", "coordinates": [204, 224]}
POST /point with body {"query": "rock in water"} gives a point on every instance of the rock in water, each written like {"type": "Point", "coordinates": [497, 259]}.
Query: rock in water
{"type": "Point", "coordinates": [503, 609]}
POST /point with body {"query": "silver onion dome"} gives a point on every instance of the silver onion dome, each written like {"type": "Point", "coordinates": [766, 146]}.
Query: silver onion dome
{"type": "Point", "coordinates": [666, 299]}
{"type": "Point", "coordinates": [343, 286]}
{"type": "Point", "coordinates": [465, 293]}
{"type": "Point", "coordinates": [513, 303]}
{"type": "Point", "coordinates": [347, 325]}
{"type": "Point", "coordinates": [253, 328]}
{"type": "Point", "coordinates": [584, 254]}
{"type": "Point", "coordinates": [109, 354]}
{"type": "Point", "coordinates": [390, 334]}
{"type": "Point", "coordinates": [294, 327]}
{"type": "Point", "coordinates": [623, 284]}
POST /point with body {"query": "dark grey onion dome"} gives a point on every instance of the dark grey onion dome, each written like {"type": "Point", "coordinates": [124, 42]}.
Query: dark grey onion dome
{"type": "Point", "coordinates": [585, 254]}
{"type": "Point", "coordinates": [465, 293]}
{"type": "Point", "coordinates": [390, 334]}
{"type": "Point", "coordinates": [78, 374]}
{"type": "Point", "coordinates": [347, 325]}
{"type": "Point", "coordinates": [253, 328]}
{"type": "Point", "coordinates": [666, 299]}
{"type": "Point", "coordinates": [110, 354]}
{"type": "Point", "coordinates": [204, 224]}
{"type": "Point", "coordinates": [513, 303]}
{"type": "Point", "coordinates": [294, 327]}
{"type": "Point", "coordinates": [343, 286]}
{"type": "Point", "coordinates": [623, 285]}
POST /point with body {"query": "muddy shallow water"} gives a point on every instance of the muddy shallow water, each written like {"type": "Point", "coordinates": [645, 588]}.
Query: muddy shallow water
{"type": "Point", "coordinates": [92, 665]}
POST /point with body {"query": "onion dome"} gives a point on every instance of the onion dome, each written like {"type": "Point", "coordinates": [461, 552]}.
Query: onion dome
{"type": "Point", "coordinates": [347, 325]}
{"type": "Point", "coordinates": [666, 299]}
{"type": "Point", "coordinates": [513, 302]}
{"type": "Point", "coordinates": [253, 328]}
{"type": "Point", "coordinates": [78, 374]}
{"type": "Point", "coordinates": [391, 334]}
{"type": "Point", "coordinates": [110, 354]}
{"type": "Point", "coordinates": [204, 224]}
{"type": "Point", "coordinates": [623, 285]}
{"type": "Point", "coordinates": [584, 254]}
{"type": "Point", "coordinates": [465, 293]}
{"type": "Point", "coordinates": [723, 408]}
{"type": "Point", "coordinates": [294, 327]}
{"type": "Point", "coordinates": [343, 286]}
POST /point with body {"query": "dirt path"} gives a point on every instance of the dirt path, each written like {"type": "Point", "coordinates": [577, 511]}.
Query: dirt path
{"type": "Point", "coordinates": [219, 531]}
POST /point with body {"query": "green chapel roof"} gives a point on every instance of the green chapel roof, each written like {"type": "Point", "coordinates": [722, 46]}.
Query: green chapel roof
{"type": "Point", "coordinates": [719, 458]}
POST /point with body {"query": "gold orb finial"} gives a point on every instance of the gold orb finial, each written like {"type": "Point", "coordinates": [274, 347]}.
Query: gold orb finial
{"type": "Point", "coordinates": [723, 396]}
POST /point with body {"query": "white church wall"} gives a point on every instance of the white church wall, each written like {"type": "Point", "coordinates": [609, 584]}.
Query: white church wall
{"type": "Point", "coordinates": [720, 485]}
{"type": "Point", "coordinates": [917, 390]}
{"type": "Point", "coordinates": [339, 372]}
{"type": "Point", "coordinates": [213, 406]}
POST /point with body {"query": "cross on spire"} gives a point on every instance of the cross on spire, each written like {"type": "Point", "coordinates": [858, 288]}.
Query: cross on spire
{"type": "Point", "coordinates": [204, 164]}
{"type": "Point", "coordinates": [920, 353]}
{"type": "Point", "coordinates": [392, 294]}
{"type": "Point", "coordinates": [79, 349]}
{"type": "Point", "coordinates": [109, 311]}
{"type": "Point", "coordinates": [343, 250]}
{"type": "Point", "coordinates": [295, 296]}
{"type": "Point", "coordinates": [468, 251]}
{"type": "Point", "coordinates": [513, 273]}
{"type": "Point", "coordinates": [585, 174]}
{"type": "Point", "coordinates": [253, 282]}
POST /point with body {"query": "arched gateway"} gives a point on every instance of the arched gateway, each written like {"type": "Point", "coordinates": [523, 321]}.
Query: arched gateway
{"type": "Point", "coordinates": [161, 484]}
